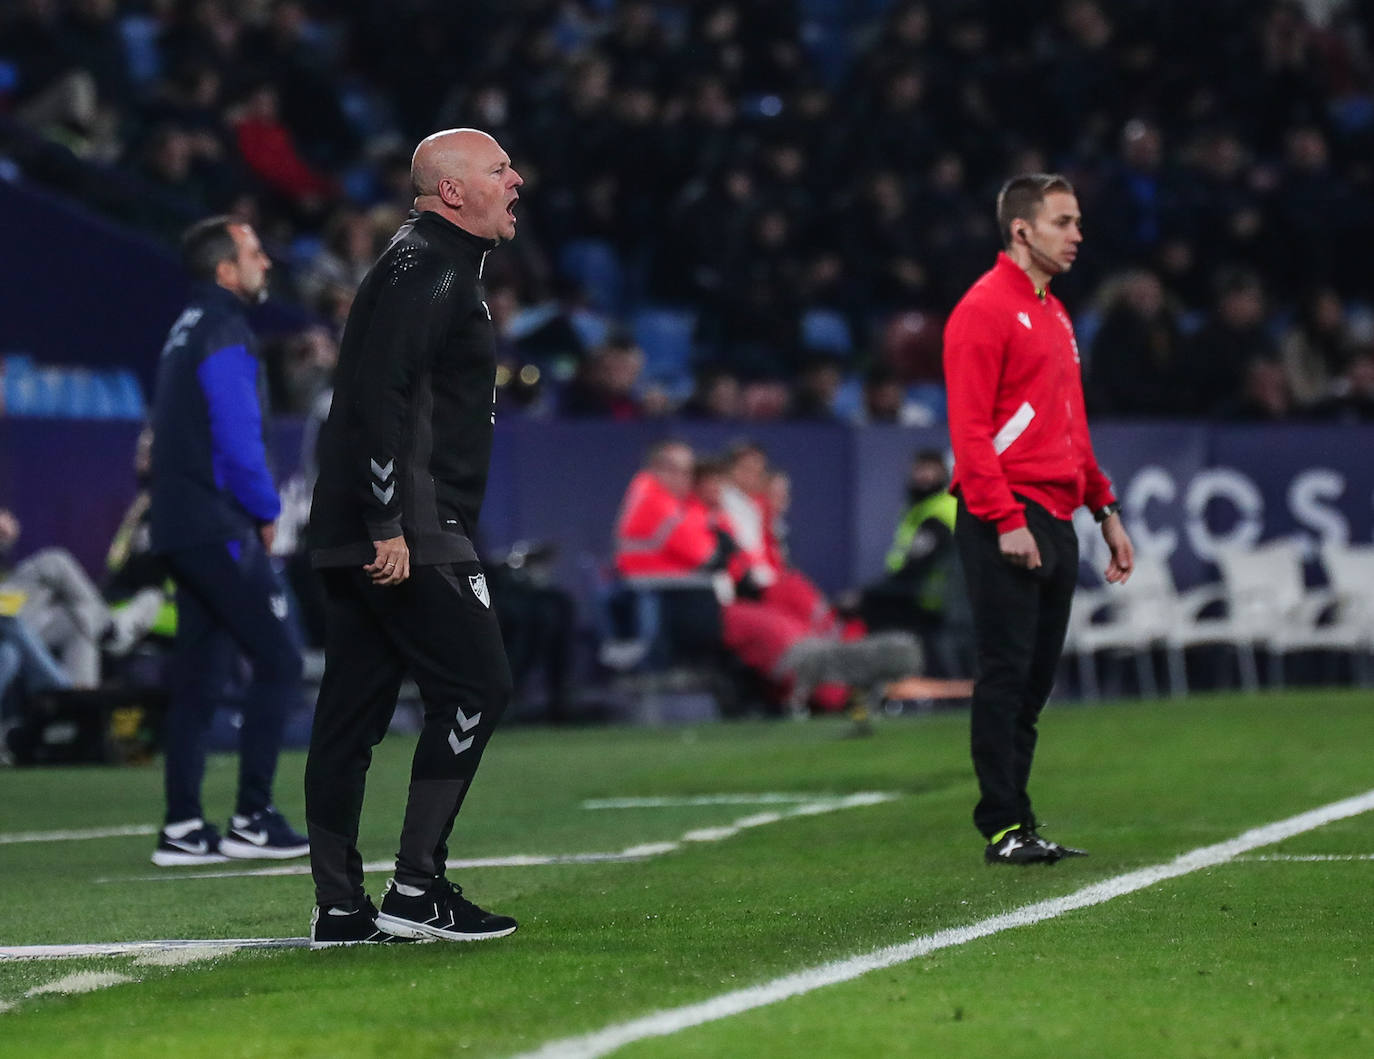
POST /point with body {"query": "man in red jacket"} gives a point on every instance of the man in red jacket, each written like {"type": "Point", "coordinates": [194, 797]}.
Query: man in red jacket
{"type": "Point", "coordinates": [1023, 464]}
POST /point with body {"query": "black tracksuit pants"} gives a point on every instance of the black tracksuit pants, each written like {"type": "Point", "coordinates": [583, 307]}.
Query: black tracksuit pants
{"type": "Point", "coordinates": [438, 627]}
{"type": "Point", "coordinates": [228, 601]}
{"type": "Point", "coordinates": [1019, 618]}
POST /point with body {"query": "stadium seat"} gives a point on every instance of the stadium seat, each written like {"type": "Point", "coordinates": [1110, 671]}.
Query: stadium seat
{"type": "Point", "coordinates": [1269, 602]}
{"type": "Point", "coordinates": [1134, 618]}
{"type": "Point", "coordinates": [666, 336]}
{"type": "Point", "coordinates": [826, 331]}
{"type": "Point", "coordinates": [1149, 612]}
{"type": "Point", "coordinates": [594, 264]}
{"type": "Point", "coordinates": [1350, 573]}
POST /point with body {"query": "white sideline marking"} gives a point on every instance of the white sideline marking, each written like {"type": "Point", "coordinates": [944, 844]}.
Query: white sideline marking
{"type": "Point", "coordinates": [811, 807]}
{"type": "Point", "coordinates": [703, 799]}
{"type": "Point", "coordinates": [124, 830]}
{"type": "Point", "coordinates": [81, 982]}
{"type": "Point", "coordinates": [212, 946]}
{"type": "Point", "coordinates": [1307, 858]}
{"type": "Point", "coordinates": [671, 1020]}
{"type": "Point", "coordinates": [73, 836]}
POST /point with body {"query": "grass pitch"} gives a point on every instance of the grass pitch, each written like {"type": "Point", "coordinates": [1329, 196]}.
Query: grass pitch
{"type": "Point", "coordinates": [1251, 957]}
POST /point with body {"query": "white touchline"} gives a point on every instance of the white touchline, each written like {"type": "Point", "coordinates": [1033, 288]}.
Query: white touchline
{"type": "Point", "coordinates": [672, 1020]}
{"type": "Point", "coordinates": [775, 798]}
{"type": "Point", "coordinates": [73, 836]}
{"type": "Point", "coordinates": [1307, 858]}
{"type": "Point", "coordinates": [130, 948]}
{"type": "Point", "coordinates": [811, 807]}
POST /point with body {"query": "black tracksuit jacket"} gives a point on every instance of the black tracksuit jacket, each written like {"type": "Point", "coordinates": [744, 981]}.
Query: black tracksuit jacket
{"type": "Point", "coordinates": [407, 445]}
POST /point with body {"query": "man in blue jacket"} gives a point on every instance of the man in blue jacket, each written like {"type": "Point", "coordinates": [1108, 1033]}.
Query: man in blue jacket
{"type": "Point", "coordinates": [213, 513]}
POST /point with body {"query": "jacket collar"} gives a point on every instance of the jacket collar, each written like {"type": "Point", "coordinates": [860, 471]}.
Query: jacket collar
{"type": "Point", "coordinates": [462, 242]}
{"type": "Point", "coordinates": [1015, 275]}
{"type": "Point", "coordinates": [213, 294]}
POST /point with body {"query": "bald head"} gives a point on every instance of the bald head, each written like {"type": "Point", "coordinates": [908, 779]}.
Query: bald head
{"type": "Point", "coordinates": [465, 176]}
{"type": "Point", "coordinates": [445, 154]}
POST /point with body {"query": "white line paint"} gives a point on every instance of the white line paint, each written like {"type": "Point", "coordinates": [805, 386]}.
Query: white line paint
{"type": "Point", "coordinates": [216, 946]}
{"type": "Point", "coordinates": [775, 798]}
{"type": "Point", "coordinates": [705, 799]}
{"type": "Point", "coordinates": [812, 807]}
{"type": "Point", "coordinates": [75, 836]}
{"type": "Point", "coordinates": [1308, 858]}
{"type": "Point", "coordinates": [80, 982]}
{"type": "Point", "coordinates": [672, 1020]}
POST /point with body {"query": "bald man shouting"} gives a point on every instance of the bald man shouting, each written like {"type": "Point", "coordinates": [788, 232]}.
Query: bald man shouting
{"type": "Point", "coordinates": [403, 458]}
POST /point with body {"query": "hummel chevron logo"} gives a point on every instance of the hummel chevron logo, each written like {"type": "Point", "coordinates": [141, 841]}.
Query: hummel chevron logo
{"type": "Point", "coordinates": [467, 724]}
{"type": "Point", "coordinates": [384, 495]}
{"type": "Point", "coordinates": [1023, 317]}
{"type": "Point", "coordinates": [383, 473]}
{"type": "Point", "coordinates": [459, 745]}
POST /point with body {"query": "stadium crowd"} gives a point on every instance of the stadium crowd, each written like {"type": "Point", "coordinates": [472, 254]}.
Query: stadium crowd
{"type": "Point", "coordinates": [759, 210]}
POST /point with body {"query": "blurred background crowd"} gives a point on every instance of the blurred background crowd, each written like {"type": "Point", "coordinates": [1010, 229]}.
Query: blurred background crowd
{"type": "Point", "coordinates": [759, 210]}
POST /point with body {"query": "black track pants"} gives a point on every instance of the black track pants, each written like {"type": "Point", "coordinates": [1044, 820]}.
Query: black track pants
{"type": "Point", "coordinates": [437, 627]}
{"type": "Point", "coordinates": [1019, 617]}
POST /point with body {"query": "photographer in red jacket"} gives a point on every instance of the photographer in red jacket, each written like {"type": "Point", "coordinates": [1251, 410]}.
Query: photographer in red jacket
{"type": "Point", "coordinates": [1023, 464]}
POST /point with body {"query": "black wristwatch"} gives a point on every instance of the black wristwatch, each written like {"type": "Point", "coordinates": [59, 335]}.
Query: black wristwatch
{"type": "Point", "coordinates": [1106, 511]}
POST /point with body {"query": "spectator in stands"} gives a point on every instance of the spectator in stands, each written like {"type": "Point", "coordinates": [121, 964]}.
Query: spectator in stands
{"type": "Point", "coordinates": [1139, 365]}
{"type": "Point", "coordinates": [1315, 347]}
{"type": "Point", "coordinates": [1147, 201]}
{"type": "Point", "coordinates": [1233, 337]}
{"type": "Point", "coordinates": [607, 386]}
{"type": "Point", "coordinates": [1351, 399]}
{"type": "Point", "coordinates": [717, 396]}
{"type": "Point", "coordinates": [1265, 395]}
{"type": "Point", "coordinates": [817, 385]}
{"type": "Point", "coordinates": [713, 155]}
{"type": "Point", "coordinates": [270, 152]}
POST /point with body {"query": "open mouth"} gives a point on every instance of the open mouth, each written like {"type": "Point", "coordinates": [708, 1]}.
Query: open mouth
{"type": "Point", "coordinates": [510, 208]}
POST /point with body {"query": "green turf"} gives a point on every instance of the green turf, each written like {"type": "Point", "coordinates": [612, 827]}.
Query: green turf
{"type": "Point", "coordinates": [1249, 958]}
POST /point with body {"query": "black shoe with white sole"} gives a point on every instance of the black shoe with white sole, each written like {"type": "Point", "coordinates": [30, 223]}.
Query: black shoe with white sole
{"type": "Point", "coordinates": [440, 912]}
{"type": "Point", "coordinates": [1019, 845]}
{"type": "Point", "coordinates": [333, 925]}
{"type": "Point", "coordinates": [188, 842]}
{"type": "Point", "coordinates": [263, 836]}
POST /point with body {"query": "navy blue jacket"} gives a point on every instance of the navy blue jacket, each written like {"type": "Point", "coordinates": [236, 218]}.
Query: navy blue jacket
{"type": "Point", "coordinates": [210, 480]}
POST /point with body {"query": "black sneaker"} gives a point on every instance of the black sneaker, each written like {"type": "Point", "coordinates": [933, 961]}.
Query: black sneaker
{"type": "Point", "coordinates": [199, 845]}
{"type": "Point", "coordinates": [263, 836]}
{"type": "Point", "coordinates": [440, 912]}
{"type": "Point", "coordinates": [1020, 845]}
{"type": "Point", "coordinates": [1058, 851]}
{"type": "Point", "coordinates": [344, 926]}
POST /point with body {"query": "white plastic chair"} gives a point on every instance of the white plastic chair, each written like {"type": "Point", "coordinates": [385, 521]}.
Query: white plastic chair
{"type": "Point", "coordinates": [1350, 573]}
{"type": "Point", "coordinates": [1269, 602]}
{"type": "Point", "coordinates": [1135, 617]}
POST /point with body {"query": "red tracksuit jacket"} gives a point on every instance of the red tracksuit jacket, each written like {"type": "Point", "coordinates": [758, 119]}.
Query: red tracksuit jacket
{"type": "Point", "coordinates": [1016, 415]}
